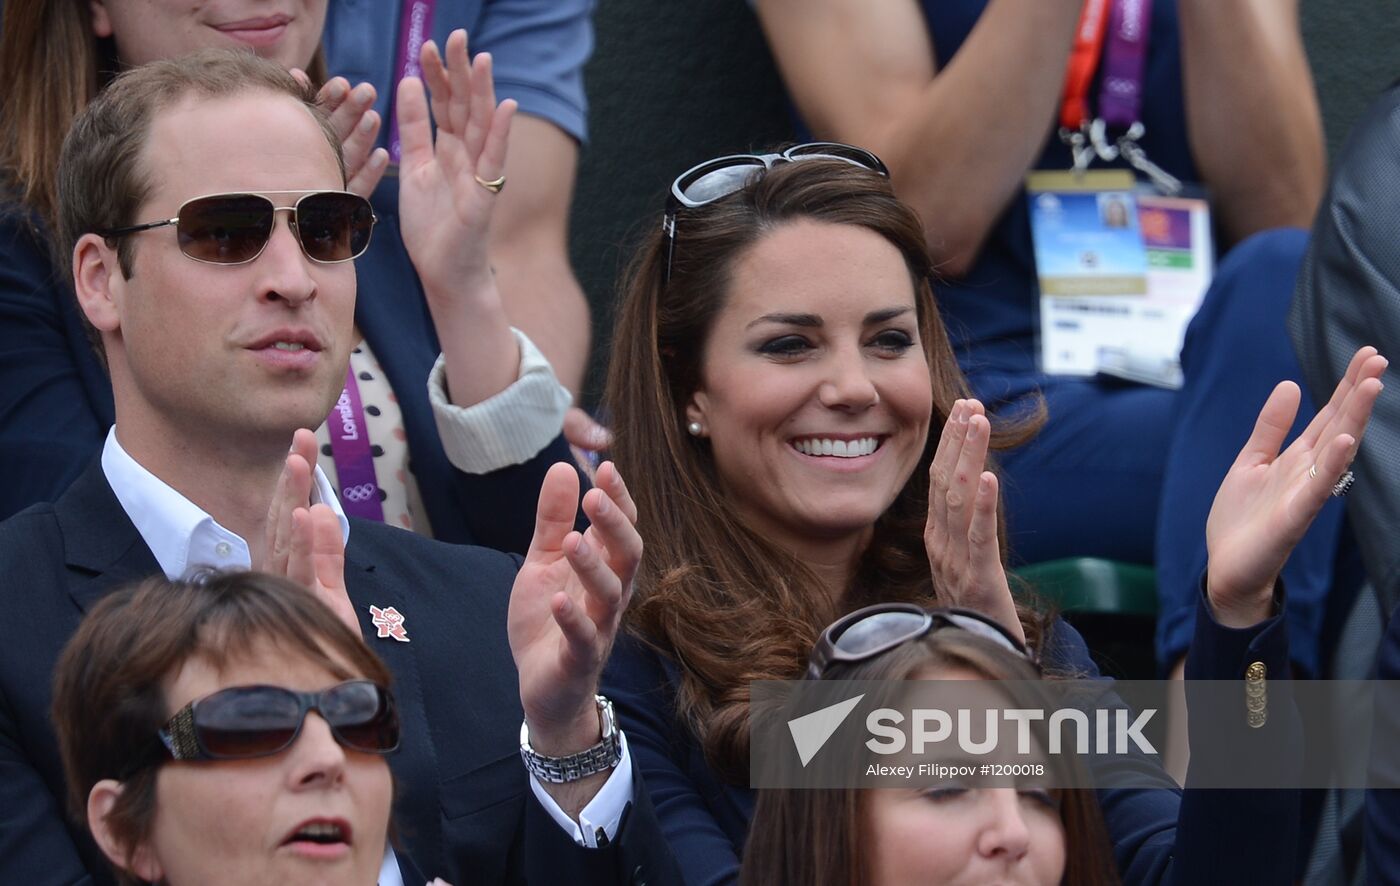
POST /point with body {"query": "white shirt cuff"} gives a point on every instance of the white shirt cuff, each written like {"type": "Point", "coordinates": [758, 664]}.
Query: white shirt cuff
{"type": "Point", "coordinates": [603, 813]}
{"type": "Point", "coordinates": [508, 428]}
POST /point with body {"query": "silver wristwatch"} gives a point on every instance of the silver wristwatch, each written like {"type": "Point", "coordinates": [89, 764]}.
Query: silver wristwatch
{"type": "Point", "coordinates": [603, 756]}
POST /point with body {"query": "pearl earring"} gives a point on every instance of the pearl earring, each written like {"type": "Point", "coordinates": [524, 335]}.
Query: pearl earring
{"type": "Point", "coordinates": [695, 428]}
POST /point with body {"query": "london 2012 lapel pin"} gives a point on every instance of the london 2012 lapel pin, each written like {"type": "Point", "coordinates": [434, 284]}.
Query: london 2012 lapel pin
{"type": "Point", "coordinates": [389, 621]}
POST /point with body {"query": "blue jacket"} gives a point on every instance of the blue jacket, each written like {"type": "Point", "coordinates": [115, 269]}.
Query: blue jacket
{"type": "Point", "coordinates": [1159, 835]}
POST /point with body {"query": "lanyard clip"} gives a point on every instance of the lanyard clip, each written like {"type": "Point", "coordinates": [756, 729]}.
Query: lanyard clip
{"type": "Point", "coordinates": [1136, 157]}
{"type": "Point", "coordinates": [1080, 147]}
{"type": "Point", "coordinates": [1098, 137]}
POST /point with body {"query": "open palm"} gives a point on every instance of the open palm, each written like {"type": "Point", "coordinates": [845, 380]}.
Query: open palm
{"type": "Point", "coordinates": [445, 212]}
{"type": "Point", "coordinates": [1270, 498]}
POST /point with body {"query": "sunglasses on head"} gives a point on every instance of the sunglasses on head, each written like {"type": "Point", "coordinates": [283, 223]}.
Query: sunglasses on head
{"type": "Point", "coordinates": [722, 176]}
{"type": "Point", "coordinates": [233, 229]}
{"type": "Point", "coordinates": [875, 630]}
{"type": "Point", "coordinates": [259, 721]}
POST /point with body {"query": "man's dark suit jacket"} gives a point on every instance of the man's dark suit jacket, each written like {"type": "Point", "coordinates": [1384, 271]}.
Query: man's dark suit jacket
{"type": "Point", "coordinates": [56, 400]}
{"type": "Point", "coordinates": [464, 807]}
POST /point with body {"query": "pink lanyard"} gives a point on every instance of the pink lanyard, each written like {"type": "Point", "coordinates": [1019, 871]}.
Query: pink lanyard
{"type": "Point", "coordinates": [415, 25]}
{"type": "Point", "coordinates": [354, 461]}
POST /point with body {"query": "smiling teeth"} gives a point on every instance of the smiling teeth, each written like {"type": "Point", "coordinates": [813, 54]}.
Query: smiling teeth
{"type": "Point", "coordinates": [837, 448]}
{"type": "Point", "coordinates": [288, 345]}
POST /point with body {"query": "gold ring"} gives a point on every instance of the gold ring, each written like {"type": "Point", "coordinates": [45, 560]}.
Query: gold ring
{"type": "Point", "coordinates": [494, 186]}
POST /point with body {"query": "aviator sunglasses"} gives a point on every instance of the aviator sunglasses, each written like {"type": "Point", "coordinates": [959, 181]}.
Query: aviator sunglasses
{"type": "Point", "coordinates": [258, 721]}
{"type": "Point", "coordinates": [722, 176]}
{"type": "Point", "coordinates": [233, 229]}
{"type": "Point", "coordinates": [875, 630]}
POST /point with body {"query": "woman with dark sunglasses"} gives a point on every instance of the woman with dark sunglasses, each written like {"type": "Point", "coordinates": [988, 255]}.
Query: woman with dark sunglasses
{"type": "Point", "coordinates": [458, 459]}
{"type": "Point", "coordinates": [229, 728]}
{"type": "Point", "coordinates": [784, 389]}
{"type": "Point", "coordinates": [957, 833]}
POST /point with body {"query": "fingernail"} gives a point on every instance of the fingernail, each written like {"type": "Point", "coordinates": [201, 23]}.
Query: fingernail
{"type": "Point", "coordinates": [363, 92]}
{"type": "Point", "coordinates": [337, 89]}
{"type": "Point", "coordinates": [366, 123]}
{"type": "Point", "coordinates": [984, 485]}
{"type": "Point", "coordinates": [973, 429]}
{"type": "Point", "coordinates": [583, 549]}
{"type": "Point", "coordinates": [603, 505]}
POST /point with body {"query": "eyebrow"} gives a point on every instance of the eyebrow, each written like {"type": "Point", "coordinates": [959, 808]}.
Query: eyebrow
{"type": "Point", "coordinates": [814, 322]}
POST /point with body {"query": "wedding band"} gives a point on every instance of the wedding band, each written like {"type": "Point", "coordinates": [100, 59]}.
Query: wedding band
{"type": "Point", "coordinates": [1344, 485]}
{"type": "Point", "coordinates": [494, 186]}
{"type": "Point", "coordinates": [1312, 471]}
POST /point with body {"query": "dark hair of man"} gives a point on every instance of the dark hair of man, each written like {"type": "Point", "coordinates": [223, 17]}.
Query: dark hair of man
{"type": "Point", "coordinates": [101, 179]}
{"type": "Point", "coordinates": [109, 699]}
{"type": "Point", "coordinates": [721, 600]}
{"type": "Point", "coordinates": [52, 65]}
{"type": "Point", "coordinates": [823, 837]}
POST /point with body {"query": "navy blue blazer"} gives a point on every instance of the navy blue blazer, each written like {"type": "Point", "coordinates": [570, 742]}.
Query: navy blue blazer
{"type": "Point", "coordinates": [1382, 820]}
{"type": "Point", "coordinates": [56, 399]}
{"type": "Point", "coordinates": [1159, 835]}
{"type": "Point", "coordinates": [464, 806]}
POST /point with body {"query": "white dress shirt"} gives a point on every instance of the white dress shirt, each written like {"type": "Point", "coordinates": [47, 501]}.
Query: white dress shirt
{"type": "Point", "coordinates": [184, 538]}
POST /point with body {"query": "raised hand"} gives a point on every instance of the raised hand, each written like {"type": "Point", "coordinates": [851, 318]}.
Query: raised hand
{"type": "Point", "coordinates": [1269, 498]}
{"type": "Point", "coordinates": [303, 541]}
{"type": "Point", "coordinates": [445, 204]}
{"type": "Point", "coordinates": [357, 123]}
{"type": "Point", "coordinates": [567, 603]}
{"type": "Point", "coordinates": [961, 533]}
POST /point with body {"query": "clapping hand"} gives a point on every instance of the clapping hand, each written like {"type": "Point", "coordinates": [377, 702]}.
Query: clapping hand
{"type": "Point", "coordinates": [357, 123]}
{"type": "Point", "coordinates": [303, 541]}
{"type": "Point", "coordinates": [445, 193]}
{"type": "Point", "coordinates": [1269, 498]}
{"type": "Point", "coordinates": [961, 533]}
{"type": "Point", "coordinates": [567, 603]}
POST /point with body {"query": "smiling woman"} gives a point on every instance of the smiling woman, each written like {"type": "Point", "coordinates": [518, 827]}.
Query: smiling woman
{"type": "Point", "coordinates": [227, 728]}
{"type": "Point", "coordinates": [787, 404]}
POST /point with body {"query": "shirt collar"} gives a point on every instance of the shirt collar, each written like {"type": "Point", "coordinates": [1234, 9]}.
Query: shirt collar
{"type": "Point", "coordinates": [179, 533]}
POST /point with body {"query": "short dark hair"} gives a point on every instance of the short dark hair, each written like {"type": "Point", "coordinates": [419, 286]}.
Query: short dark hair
{"type": "Point", "coordinates": [109, 700]}
{"type": "Point", "coordinates": [100, 180]}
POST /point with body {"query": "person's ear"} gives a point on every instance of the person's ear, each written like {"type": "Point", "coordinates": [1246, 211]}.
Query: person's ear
{"type": "Point", "coordinates": [101, 21]}
{"type": "Point", "coordinates": [695, 414]}
{"type": "Point", "coordinates": [97, 281]}
{"type": "Point", "coordinates": [141, 860]}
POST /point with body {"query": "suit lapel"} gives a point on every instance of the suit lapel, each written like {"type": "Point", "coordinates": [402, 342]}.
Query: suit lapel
{"type": "Point", "coordinates": [102, 548]}
{"type": "Point", "coordinates": [415, 764]}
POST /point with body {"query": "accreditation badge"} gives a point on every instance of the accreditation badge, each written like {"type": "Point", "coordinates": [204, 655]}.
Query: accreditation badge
{"type": "Point", "coordinates": [1121, 270]}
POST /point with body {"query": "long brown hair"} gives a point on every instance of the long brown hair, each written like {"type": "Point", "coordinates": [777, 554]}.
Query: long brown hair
{"type": "Point", "coordinates": [725, 603]}
{"type": "Point", "coordinates": [52, 65]}
{"type": "Point", "coordinates": [822, 837]}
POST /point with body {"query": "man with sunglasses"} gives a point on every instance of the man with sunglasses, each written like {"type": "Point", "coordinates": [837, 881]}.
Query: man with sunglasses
{"type": "Point", "coordinates": [221, 285]}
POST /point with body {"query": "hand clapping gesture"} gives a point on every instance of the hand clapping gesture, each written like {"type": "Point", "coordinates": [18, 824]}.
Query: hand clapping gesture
{"type": "Point", "coordinates": [357, 123]}
{"type": "Point", "coordinates": [567, 603]}
{"type": "Point", "coordinates": [303, 541]}
{"type": "Point", "coordinates": [961, 534]}
{"type": "Point", "coordinates": [448, 186]}
{"type": "Point", "coordinates": [1269, 498]}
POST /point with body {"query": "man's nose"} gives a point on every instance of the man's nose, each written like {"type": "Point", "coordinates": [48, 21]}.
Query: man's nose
{"type": "Point", "coordinates": [284, 268]}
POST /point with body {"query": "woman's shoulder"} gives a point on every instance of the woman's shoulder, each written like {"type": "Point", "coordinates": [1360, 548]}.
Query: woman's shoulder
{"type": "Point", "coordinates": [1064, 652]}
